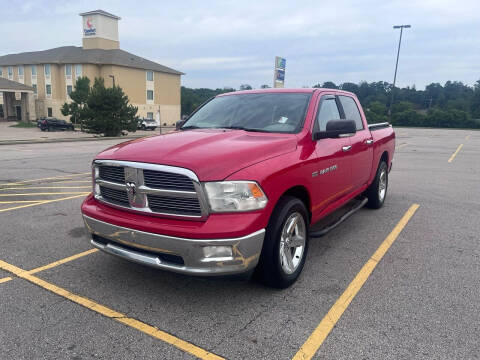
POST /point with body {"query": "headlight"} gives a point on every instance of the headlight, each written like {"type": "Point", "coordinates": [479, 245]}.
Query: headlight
{"type": "Point", "coordinates": [95, 176]}
{"type": "Point", "coordinates": [227, 196]}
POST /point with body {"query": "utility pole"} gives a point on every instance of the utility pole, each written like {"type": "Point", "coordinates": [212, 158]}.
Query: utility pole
{"type": "Point", "coordinates": [401, 27]}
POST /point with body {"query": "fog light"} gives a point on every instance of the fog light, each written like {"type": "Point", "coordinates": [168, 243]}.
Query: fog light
{"type": "Point", "coordinates": [217, 251]}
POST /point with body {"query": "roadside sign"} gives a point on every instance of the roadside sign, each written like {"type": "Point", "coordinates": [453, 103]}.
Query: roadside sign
{"type": "Point", "coordinates": [279, 72]}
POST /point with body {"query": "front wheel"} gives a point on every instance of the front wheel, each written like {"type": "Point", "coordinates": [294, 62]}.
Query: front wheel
{"type": "Point", "coordinates": [377, 191]}
{"type": "Point", "coordinates": [286, 244]}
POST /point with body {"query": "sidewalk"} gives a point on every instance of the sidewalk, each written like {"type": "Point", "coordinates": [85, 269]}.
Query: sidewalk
{"type": "Point", "coordinates": [12, 135]}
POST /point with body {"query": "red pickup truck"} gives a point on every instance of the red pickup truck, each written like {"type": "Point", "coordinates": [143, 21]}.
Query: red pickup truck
{"type": "Point", "coordinates": [237, 187]}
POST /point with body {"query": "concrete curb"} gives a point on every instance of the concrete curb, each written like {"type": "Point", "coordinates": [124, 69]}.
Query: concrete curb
{"type": "Point", "coordinates": [47, 141]}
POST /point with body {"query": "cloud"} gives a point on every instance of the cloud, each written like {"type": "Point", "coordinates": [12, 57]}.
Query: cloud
{"type": "Point", "coordinates": [227, 43]}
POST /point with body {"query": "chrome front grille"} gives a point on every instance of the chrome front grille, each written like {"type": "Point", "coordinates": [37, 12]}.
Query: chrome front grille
{"type": "Point", "coordinates": [115, 196]}
{"type": "Point", "coordinates": [112, 173]}
{"type": "Point", "coordinates": [157, 189]}
{"type": "Point", "coordinates": [164, 180]}
{"type": "Point", "coordinates": [163, 204]}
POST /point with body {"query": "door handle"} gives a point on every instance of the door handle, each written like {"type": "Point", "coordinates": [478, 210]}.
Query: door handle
{"type": "Point", "coordinates": [347, 148]}
{"type": "Point", "coordinates": [369, 142]}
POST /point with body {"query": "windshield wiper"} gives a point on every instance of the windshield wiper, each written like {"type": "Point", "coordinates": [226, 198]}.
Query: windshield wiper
{"type": "Point", "coordinates": [243, 128]}
{"type": "Point", "coordinates": [189, 127]}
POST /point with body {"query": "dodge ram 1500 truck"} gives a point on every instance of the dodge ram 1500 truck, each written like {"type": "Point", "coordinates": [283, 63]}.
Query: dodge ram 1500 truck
{"type": "Point", "coordinates": [238, 186]}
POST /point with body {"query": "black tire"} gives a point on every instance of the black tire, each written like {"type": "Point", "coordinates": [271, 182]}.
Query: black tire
{"type": "Point", "coordinates": [270, 270]}
{"type": "Point", "coordinates": [143, 127]}
{"type": "Point", "coordinates": [373, 193]}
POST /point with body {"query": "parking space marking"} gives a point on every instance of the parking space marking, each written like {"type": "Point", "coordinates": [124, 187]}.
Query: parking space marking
{"type": "Point", "coordinates": [66, 177]}
{"type": "Point", "coordinates": [112, 314]}
{"type": "Point", "coordinates": [55, 263]}
{"type": "Point", "coordinates": [43, 202]}
{"type": "Point", "coordinates": [62, 261]}
{"type": "Point", "coordinates": [47, 187]}
{"type": "Point", "coordinates": [316, 339]}
{"type": "Point", "coordinates": [467, 137]}
{"type": "Point", "coordinates": [5, 279]}
{"type": "Point", "coordinates": [45, 193]}
{"type": "Point", "coordinates": [20, 201]}
{"type": "Point", "coordinates": [455, 153]}
{"type": "Point", "coordinates": [402, 145]}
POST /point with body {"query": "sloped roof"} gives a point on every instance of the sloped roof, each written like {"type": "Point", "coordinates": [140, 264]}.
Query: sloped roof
{"type": "Point", "coordinates": [79, 55]}
{"type": "Point", "coordinates": [9, 85]}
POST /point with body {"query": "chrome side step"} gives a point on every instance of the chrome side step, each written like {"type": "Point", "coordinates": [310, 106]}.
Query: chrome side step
{"type": "Point", "coordinates": [331, 226]}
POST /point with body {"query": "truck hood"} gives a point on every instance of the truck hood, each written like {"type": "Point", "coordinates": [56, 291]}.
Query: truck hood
{"type": "Point", "coordinates": [213, 154]}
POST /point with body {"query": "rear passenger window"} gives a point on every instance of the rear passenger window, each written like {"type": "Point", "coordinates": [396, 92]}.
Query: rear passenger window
{"type": "Point", "coordinates": [351, 111]}
{"type": "Point", "coordinates": [328, 111]}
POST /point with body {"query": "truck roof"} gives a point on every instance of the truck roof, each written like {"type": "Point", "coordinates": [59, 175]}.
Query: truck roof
{"type": "Point", "coordinates": [283, 90]}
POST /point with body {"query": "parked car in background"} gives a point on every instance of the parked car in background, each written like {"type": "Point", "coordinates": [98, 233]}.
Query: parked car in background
{"type": "Point", "coordinates": [52, 124]}
{"type": "Point", "coordinates": [39, 122]}
{"type": "Point", "coordinates": [238, 186]}
{"type": "Point", "coordinates": [147, 124]}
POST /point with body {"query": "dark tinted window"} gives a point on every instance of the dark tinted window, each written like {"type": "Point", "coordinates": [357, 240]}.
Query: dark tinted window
{"type": "Point", "coordinates": [351, 111]}
{"type": "Point", "coordinates": [265, 112]}
{"type": "Point", "coordinates": [328, 111]}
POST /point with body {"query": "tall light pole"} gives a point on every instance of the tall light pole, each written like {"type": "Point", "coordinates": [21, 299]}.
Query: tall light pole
{"type": "Point", "coordinates": [401, 27]}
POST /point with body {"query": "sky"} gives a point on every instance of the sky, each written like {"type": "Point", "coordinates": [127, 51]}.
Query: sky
{"type": "Point", "coordinates": [223, 43]}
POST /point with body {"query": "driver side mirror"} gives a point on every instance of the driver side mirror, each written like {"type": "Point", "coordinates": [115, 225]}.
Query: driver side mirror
{"type": "Point", "coordinates": [336, 129]}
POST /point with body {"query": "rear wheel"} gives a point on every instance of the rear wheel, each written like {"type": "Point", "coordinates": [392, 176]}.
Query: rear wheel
{"type": "Point", "coordinates": [377, 191]}
{"type": "Point", "coordinates": [286, 244]}
{"type": "Point", "coordinates": [143, 127]}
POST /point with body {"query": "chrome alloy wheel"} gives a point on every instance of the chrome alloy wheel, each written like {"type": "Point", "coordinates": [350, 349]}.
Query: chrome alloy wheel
{"type": "Point", "coordinates": [382, 185]}
{"type": "Point", "coordinates": [292, 242]}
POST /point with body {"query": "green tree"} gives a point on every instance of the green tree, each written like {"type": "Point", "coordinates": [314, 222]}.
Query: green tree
{"type": "Point", "coordinates": [79, 97]}
{"type": "Point", "coordinates": [107, 111]}
{"type": "Point", "coordinates": [376, 112]}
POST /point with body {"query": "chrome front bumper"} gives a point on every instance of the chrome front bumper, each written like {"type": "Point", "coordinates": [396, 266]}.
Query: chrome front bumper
{"type": "Point", "coordinates": [180, 255]}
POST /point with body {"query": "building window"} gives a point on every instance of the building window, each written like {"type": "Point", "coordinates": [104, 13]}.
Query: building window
{"type": "Point", "coordinates": [48, 89]}
{"type": "Point", "coordinates": [10, 72]}
{"type": "Point", "coordinates": [78, 71]}
{"type": "Point", "coordinates": [34, 88]}
{"type": "Point", "coordinates": [47, 70]}
{"type": "Point", "coordinates": [49, 112]}
{"type": "Point", "coordinates": [149, 94]}
{"type": "Point", "coordinates": [149, 115]}
{"type": "Point", "coordinates": [149, 75]}
{"type": "Point", "coordinates": [1, 72]}
{"type": "Point", "coordinates": [69, 89]}
{"type": "Point", "coordinates": [68, 71]}
{"type": "Point", "coordinates": [34, 70]}
{"type": "Point", "coordinates": [20, 71]}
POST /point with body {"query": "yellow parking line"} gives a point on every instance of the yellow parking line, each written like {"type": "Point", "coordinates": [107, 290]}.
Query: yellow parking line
{"type": "Point", "coordinates": [455, 153]}
{"type": "Point", "coordinates": [55, 263]}
{"type": "Point", "coordinates": [66, 177]}
{"type": "Point", "coordinates": [70, 181]}
{"type": "Point", "coordinates": [115, 315]}
{"type": "Point", "coordinates": [42, 202]}
{"type": "Point", "coordinates": [402, 145]}
{"type": "Point", "coordinates": [20, 201]}
{"type": "Point", "coordinates": [316, 339]}
{"type": "Point", "coordinates": [52, 193]}
{"type": "Point", "coordinates": [5, 280]}
{"type": "Point", "coordinates": [62, 261]}
{"type": "Point", "coordinates": [46, 187]}
{"type": "Point", "coordinates": [467, 137]}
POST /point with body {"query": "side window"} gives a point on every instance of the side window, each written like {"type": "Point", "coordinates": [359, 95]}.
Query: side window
{"type": "Point", "coordinates": [328, 111]}
{"type": "Point", "coordinates": [351, 110]}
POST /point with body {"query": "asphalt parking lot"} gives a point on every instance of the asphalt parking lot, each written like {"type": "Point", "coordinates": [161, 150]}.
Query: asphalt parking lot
{"type": "Point", "coordinates": [401, 282]}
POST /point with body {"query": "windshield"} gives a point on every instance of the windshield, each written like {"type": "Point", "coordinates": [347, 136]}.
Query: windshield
{"type": "Point", "coordinates": [266, 112]}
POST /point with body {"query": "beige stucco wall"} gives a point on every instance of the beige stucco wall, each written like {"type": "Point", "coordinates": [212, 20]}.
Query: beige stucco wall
{"type": "Point", "coordinates": [133, 82]}
{"type": "Point", "coordinates": [99, 43]}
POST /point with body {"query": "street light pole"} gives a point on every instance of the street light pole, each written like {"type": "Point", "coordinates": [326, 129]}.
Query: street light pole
{"type": "Point", "coordinates": [401, 27]}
